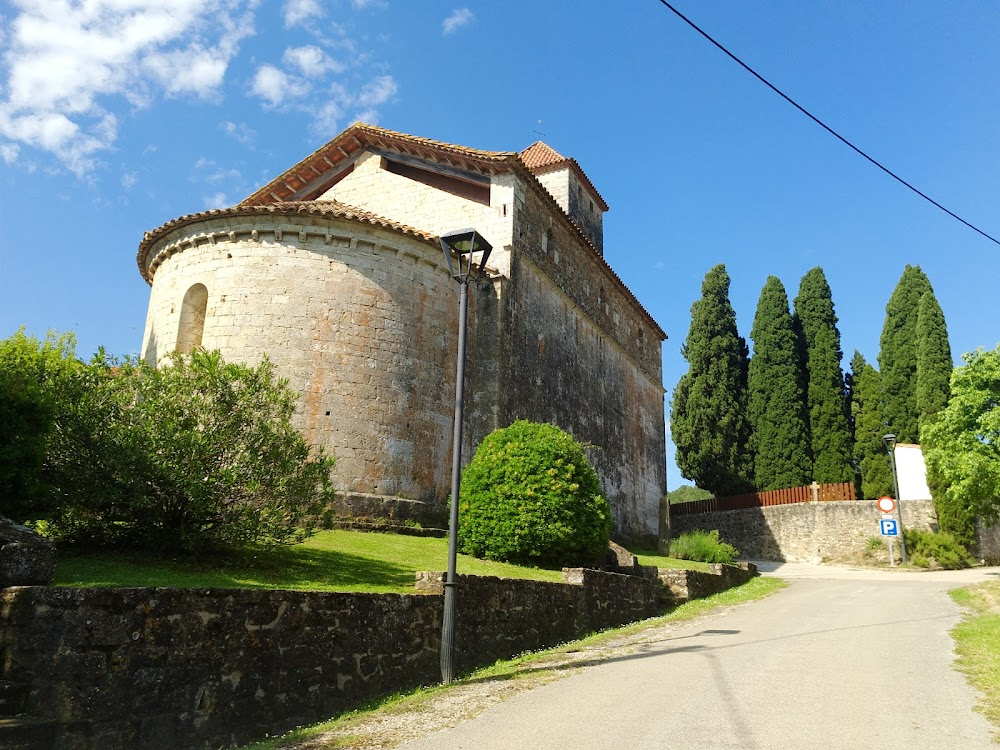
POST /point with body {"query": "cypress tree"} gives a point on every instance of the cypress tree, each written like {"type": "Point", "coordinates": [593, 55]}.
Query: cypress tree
{"type": "Point", "coordinates": [934, 363]}
{"type": "Point", "coordinates": [708, 420]}
{"type": "Point", "coordinates": [898, 355]}
{"type": "Point", "coordinates": [826, 399]}
{"type": "Point", "coordinates": [776, 404]}
{"type": "Point", "coordinates": [870, 458]}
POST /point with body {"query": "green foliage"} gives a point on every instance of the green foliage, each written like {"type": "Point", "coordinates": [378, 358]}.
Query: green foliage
{"type": "Point", "coordinates": [194, 456]}
{"type": "Point", "coordinates": [870, 458]}
{"type": "Point", "coordinates": [687, 493]}
{"type": "Point", "coordinates": [962, 446]}
{"type": "Point", "coordinates": [336, 560]}
{"type": "Point", "coordinates": [704, 546]}
{"type": "Point", "coordinates": [924, 548]}
{"type": "Point", "coordinates": [708, 419]}
{"type": "Point", "coordinates": [977, 643]}
{"type": "Point", "coordinates": [898, 355]}
{"type": "Point", "coordinates": [776, 405]}
{"type": "Point", "coordinates": [874, 543]}
{"type": "Point", "coordinates": [827, 404]}
{"type": "Point", "coordinates": [934, 363]}
{"type": "Point", "coordinates": [530, 496]}
{"type": "Point", "coordinates": [34, 377]}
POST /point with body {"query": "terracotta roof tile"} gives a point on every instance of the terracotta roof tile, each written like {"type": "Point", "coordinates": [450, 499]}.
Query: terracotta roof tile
{"type": "Point", "coordinates": [539, 155]}
{"type": "Point", "coordinates": [326, 208]}
{"type": "Point", "coordinates": [280, 191]}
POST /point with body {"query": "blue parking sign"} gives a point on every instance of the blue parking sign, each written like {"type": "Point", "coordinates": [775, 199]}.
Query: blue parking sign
{"type": "Point", "coordinates": [889, 527]}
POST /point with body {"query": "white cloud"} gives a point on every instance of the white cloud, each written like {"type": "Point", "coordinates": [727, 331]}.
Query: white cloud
{"type": "Point", "coordinates": [9, 152]}
{"type": "Point", "coordinates": [128, 180]}
{"type": "Point", "coordinates": [66, 61]}
{"type": "Point", "coordinates": [459, 17]}
{"type": "Point", "coordinates": [240, 131]}
{"type": "Point", "coordinates": [310, 60]}
{"type": "Point", "coordinates": [297, 12]}
{"type": "Point", "coordinates": [377, 92]}
{"type": "Point", "coordinates": [327, 118]}
{"type": "Point", "coordinates": [274, 85]}
{"type": "Point", "coordinates": [190, 71]}
{"type": "Point", "coordinates": [216, 200]}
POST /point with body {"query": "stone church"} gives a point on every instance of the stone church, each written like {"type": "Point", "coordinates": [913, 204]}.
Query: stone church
{"type": "Point", "coordinates": [334, 271]}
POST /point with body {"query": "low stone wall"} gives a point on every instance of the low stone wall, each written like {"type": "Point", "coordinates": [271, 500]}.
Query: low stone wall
{"type": "Point", "coordinates": [170, 668]}
{"type": "Point", "coordinates": [684, 585]}
{"type": "Point", "coordinates": [987, 545]}
{"type": "Point", "coordinates": [359, 505]}
{"type": "Point", "coordinates": [804, 532]}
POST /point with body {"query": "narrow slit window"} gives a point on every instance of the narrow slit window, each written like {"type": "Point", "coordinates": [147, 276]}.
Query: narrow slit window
{"type": "Point", "coordinates": [192, 322]}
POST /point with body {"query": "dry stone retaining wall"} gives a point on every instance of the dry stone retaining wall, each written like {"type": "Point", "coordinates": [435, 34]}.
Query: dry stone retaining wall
{"type": "Point", "coordinates": [170, 668]}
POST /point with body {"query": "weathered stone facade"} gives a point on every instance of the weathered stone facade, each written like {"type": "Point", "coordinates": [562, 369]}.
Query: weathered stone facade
{"type": "Point", "coordinates": [804, 532]}
{"type": "Point", "coordinates": [334, 271]}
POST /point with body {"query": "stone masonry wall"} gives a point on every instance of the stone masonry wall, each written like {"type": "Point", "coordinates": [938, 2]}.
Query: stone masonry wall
{"type": "Point", "coordinates": [579, 354]}
{"type": "Point", "coordinates": [684, 585]}
{"type": "Point", "coordinates": [361, 321]}
{"type": "Point", "coordinates": [168, 668]}
{"type": "Point", "coordinates": [803, 532]}
{"type": "Point", "coordinates": [415, 204]}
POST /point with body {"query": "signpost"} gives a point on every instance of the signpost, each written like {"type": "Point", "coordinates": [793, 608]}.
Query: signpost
{"type": "Point", "coordinates": [888, 526]}
{"type": "Point", "coordinates": [886, 504]}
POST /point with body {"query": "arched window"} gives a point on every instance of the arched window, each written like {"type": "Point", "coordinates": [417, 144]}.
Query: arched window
{"type": "Point", "coordinates": [192, 323]}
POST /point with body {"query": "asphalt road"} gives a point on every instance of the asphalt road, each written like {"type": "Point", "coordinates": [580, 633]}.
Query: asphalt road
{"type": "Point", "coordinates": [839, 659]}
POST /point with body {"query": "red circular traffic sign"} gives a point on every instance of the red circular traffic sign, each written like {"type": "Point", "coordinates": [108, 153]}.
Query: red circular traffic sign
{"type": "Point", "coordinates": [886, 504]}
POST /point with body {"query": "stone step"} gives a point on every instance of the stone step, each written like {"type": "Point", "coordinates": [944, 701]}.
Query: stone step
{"type": "Point", "coordinates": [27, 734]}
{"type": "Point", "coordinates": [12, 697]}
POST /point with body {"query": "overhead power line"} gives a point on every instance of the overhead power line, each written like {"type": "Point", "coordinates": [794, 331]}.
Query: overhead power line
{"type": "Point", "coordinates": [822, 124]}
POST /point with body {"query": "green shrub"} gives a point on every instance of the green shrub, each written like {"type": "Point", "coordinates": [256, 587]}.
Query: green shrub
{"type": "Point", "coordinates": [194, 456]}
{"type": "Point", "coordinates": [704, 546]}
{"type": "Point", "coordinates": [874, 543]}
{"type": "Point", "coordinates": [924, 546]}
{"type": "Point", "coordinates": [34, 376]}
{"type": "Point", "coordinates": [529, 496]}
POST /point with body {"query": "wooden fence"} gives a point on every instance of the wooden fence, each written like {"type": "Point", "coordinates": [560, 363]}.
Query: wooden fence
{"type": "Point", "coordinates": [818, 492]}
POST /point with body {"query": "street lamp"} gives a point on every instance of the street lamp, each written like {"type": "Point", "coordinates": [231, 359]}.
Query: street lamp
{"type": "Point", "coordinates": [890, 448]}
{"type": "Point", "coordinates": [459, 246]}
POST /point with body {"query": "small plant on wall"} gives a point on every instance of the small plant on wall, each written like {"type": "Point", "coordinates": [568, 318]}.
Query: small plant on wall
{"type": "Point", "coordinates": [530, 496]}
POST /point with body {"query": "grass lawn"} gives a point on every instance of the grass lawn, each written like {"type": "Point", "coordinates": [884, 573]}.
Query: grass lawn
{"type": "Point", "coordinates": [330, 561]}
{"type": "Point", "coordinates": [650, 557]}
{"type": "Point", "coordinates": [977, 643]}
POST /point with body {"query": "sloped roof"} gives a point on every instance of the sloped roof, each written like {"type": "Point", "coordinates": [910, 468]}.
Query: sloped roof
{"type": "Point", "coordinates": [311, 177]}
{"type": "Point", "coordinates": [305, 181]}
{"type": "Point", "coordinates": [326, 208]}
{"type": "Point", "coordinates": [540, 158]}
{"type": "Point", "coordinates": [540, 155]}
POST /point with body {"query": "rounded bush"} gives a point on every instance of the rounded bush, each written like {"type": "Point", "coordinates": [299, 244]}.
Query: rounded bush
{"type": "Point", "coordinates": [529, 496]}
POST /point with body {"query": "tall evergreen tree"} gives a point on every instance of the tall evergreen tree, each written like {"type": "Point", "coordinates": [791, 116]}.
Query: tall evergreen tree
{"type": "Point", "coordinates": [708, 419]}
{"type": "Point", "coordinates": [934, 363]}
{"type": "Point", "coordinates": [870, 458]}
{"type": "Point", "coordinates": [826, 400]}
{"type": "Point", "coordinates": [898, 355]}
{"type": "Point", "coordinates": [776, 404]}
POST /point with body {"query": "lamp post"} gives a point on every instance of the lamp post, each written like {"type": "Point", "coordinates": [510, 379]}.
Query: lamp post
{"type": "Point", "coordinates": [463, 245]}
{"type": "Point", "coordinates": [890, 448]}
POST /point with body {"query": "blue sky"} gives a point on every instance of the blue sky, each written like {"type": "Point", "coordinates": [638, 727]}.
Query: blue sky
{"type": "Point", "coordinates": [119, 115]}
